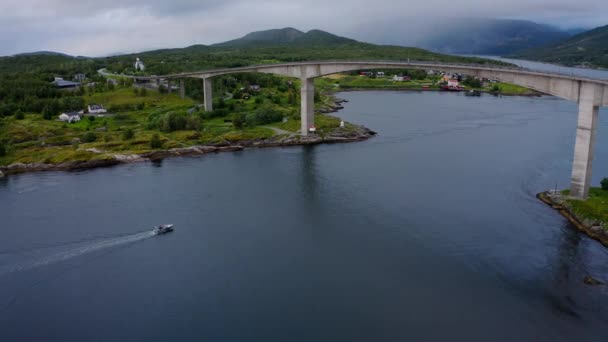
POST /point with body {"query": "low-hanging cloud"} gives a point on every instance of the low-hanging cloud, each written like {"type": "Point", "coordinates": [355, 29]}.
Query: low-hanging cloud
{"type": "Point", "coordinates": [93, 28]}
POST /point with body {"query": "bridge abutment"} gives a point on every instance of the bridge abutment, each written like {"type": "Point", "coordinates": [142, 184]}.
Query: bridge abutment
{"type": "Point", "coordinates": [307, 99]}
{"type": "Point", "coordinates": [208, 94]}
{"type": "Point", "coordinates": [588, 111]}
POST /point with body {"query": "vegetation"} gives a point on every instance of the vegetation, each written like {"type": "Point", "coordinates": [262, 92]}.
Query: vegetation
{"type": "Point", "coordinates": [595, 207]}
{"type": "Point", "coordinates": [247, 106]}
{"type": "Point", "coordinates": [604, 184]}
{"type": "Point", "coordinates": [586, 49]}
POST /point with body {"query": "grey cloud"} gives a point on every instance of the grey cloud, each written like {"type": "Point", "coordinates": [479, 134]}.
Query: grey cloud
{"type": "Point", "coordinates": [93, 27]}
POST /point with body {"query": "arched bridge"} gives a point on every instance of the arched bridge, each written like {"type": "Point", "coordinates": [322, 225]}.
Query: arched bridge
{"type": "Point", "coordinates": [590, 94]}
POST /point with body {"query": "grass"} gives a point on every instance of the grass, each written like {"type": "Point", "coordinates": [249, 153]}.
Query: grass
{"type": "Point", "coordinates": [595, 207]}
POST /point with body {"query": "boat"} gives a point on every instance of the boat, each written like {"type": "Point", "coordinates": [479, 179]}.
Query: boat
{"type": "Point", "coordinates": [473, 92]}
{"type": "Point", "coordinates": [163, 229]}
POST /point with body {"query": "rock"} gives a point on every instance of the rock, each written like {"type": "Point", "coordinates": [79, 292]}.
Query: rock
{"type": "Point", "coordinates": [93, 150]}
{"type": "Point", "coordinates": [101, 129]}
{"type": "Point", "coordinates": [125, 158]}
{"type": "Point", "coordinates": [1, 174]}
{"type": "Point", "coordinates": [592, 281]}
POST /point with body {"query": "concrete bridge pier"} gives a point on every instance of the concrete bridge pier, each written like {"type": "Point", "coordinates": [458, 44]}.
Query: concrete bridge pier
{"type": "Point", "coordinates": [590, 98]}
{"type": "Point", "coordinates": [208, 94]}
{"type": "Point", "coordinates": [182, 89]}
{"type": "Point", "coordinates": [168, 86]}
{"type": "Point", "coordinates": [307, 100]}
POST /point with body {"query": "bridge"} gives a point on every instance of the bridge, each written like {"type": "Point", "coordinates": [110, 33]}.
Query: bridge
{"type": "Point", "coordinates": [590, 94]}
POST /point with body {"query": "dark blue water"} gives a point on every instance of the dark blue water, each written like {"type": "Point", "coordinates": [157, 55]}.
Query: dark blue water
{"type": "Point", "coordinates": [428, 232]}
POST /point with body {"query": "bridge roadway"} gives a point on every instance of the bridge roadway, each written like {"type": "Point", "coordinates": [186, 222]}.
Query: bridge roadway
{"type": "Point", "coordinates": [590, 94]}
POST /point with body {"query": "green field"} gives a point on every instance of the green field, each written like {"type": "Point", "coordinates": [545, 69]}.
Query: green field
{"type": "Point", "coordinates": [595, 207]}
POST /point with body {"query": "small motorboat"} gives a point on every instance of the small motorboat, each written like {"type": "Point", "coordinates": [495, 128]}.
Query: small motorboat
{"type": "Point", "coordinates": [163, 229]}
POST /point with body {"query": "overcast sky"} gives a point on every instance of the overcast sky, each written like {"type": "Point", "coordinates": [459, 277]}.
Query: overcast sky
{"type": "Point", "coordinates": [100, 27]}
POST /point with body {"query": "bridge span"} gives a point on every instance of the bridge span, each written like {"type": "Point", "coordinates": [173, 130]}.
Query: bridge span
{"type": "Point", "coordinates": [590, 94]}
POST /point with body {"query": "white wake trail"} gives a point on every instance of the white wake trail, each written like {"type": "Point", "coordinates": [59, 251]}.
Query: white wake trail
{"type": "Point", "coordinates": [73, 253]}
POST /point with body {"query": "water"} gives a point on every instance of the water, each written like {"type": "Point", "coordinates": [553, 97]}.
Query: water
{"type": "Point", "coordinates": [429, 231]}
{"type": "Point", "coordinates": [601, 74]}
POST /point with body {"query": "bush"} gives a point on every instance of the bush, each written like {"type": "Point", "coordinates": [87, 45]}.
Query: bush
{"type": "Point", "coordinates": [128, 134]}
{"type": "Point", "coordinates": [91, 118]}
{"type": "Point", "coordinates": [155, 142]}
{"type": "Point", "coordinates": [2, 150]}
{"type": "Point", "coordinates": [89, 137]}
{"type": "Point", "coordinates": [19, 115]}
{"type": "Point", "coordinates": [604, 184]}
{"type": "Point", "coordinates": [238, 120]}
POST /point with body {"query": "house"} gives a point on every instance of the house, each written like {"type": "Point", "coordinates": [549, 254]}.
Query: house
{"type": "Point", "coordinates": [70, 116]}
{"type": "Point", "coordinates": [380, 74]}
{"type": "Point", "coordinates": [139, 65]}
{"type": "Point", "coordinates": [255, 87]}
{"type": "Point", "coordinates": [453, 83]}
{"type": "Point", "coordinates": [63, 84]}
{"type": "Point", "coordinates": [400, 78]}
{"type": "Point", "coordinates": [79, 78]}
{"type": "Point", "coordinates": [96, 109]}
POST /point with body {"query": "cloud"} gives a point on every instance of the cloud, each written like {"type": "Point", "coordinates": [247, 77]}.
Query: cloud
{"type": "Point", "coordinates": [92, 27]}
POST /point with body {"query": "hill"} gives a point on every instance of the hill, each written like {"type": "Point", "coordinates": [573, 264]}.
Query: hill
{"type": "Point", "coordinates": [463, 35]}
{"type": "Point", "coordinates": [42, 53]}
{"type": "Point", "coordinates": [285, 36]}
{"type": "Point", "coordinates": [585, 49]}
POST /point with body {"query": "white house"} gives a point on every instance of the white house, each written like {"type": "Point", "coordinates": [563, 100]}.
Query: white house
{"type": "Point", "coordinates": [398, 78]}
{"type": "Point", "coordinates": [70, 117]}
{"type": "Point", "coordinates": [139, 65]}
{"type": "Point", "coordinates": [96, 109]}
{"type": "Point", "coordinates": [453, 83]}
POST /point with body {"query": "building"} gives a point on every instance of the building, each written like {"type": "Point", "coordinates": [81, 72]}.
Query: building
{"type": "Point", "coordinates": [70, 117]}
{"type": "Point", "coordinates": [96, 109]}
{"type": "Point", "coordinates": [79, 78]}
{"type": "Point", "coordinates": [400, 78]}
{"type": "Point", "coordinates": [453, 83]}
{"type": "Point", "coordinates": [139, 65]}
{"type": "Point", "coordinates": [254, 87]}
{"type": "Point", "coordinates": [61, 83]}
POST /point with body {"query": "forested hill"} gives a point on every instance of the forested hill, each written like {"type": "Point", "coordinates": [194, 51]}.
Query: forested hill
{"type": "Point", "coordinates": [585, 49]}
{"type": "Point", "coordinates": [272, 46]}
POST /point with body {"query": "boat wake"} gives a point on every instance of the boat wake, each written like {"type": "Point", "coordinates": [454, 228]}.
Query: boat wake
{"type": "Point", "coordinates": [75, 252]}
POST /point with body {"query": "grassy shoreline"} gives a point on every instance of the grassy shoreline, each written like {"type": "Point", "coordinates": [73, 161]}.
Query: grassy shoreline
{"type": "Point", "coordinates": [590, 216]}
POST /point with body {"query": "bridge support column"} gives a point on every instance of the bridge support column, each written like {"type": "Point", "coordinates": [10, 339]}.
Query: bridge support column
{"type": "Point", "coordinates": [307, 100]}
{"type": "Point", "coordinates": [208, 94]}
{"type": "Point", "coordinates": [182, 89]}
{"type": "Point", "coordinates": [588, 109]}
{"type": "Point", "coordinates": [168, 86]}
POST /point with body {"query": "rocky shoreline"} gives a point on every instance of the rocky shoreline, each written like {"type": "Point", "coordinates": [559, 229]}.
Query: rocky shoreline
{"type": "Point", "coordinates": [591, 228]}
{"type": "Point", "coordinates": [338, 136]}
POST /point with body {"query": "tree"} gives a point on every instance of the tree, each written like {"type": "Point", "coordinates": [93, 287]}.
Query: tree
{"type": "Point", "coordinates": [48, 112]}
{"type": "Point", "coordinates": [2, 150]}
{"type": "Point", "coordinates": [128, 134]}
{"type": "Point", "coordinates": [89, 137]}
{"type": "Point", "coordinates": [19, 115]}
{"type": "Point", "coordinates": [604, 184]}
{"type": "Point", "coordinates": [238, 120]}
{"type": "Point", "coordinates": [155, 142]}
{"type": "Point", "coordinates": [143, 92]}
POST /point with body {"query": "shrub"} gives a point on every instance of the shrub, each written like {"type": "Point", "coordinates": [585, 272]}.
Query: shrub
{"type": "Point", "coordinates": [238, 120]}
{"type": "Point", "coordinates": [19, 115]}
{"type": "Point", "coordinates": [155, 142]}
{"type": "Point", "coordinates": [128, 134]}
{"type": "Point", "coordinates": [91, 118]}
{"type": "Point", "coordinates": [2, 150]}
{"type": "Point", "coordinates": [604, 184]}
{"type": "Point", "coordinates": [89, 137]}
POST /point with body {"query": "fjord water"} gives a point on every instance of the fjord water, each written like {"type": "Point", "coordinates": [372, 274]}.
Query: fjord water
{"type": "Point", "coordinates": [428, 232]}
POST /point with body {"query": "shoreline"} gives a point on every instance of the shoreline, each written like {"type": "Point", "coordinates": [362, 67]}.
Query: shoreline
{"type": "Point", "coordinates": [532, 94]}
{"type": "Point", "coordinates": [589, 227]}
{"type": "Point", "coordinates": [361, 134]}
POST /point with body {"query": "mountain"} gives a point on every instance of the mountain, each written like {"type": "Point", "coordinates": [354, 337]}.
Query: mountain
{"type": "Point", "coordinates": [42, 53]}
{"type": "Point", "coordinates": [285, 37]}
{"type": "Point", "coordinates": [493, 37]}
{"type": "Point", "coordinates": [589, 48]}
{"type": "Point", "coordinates": [462, 35]}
